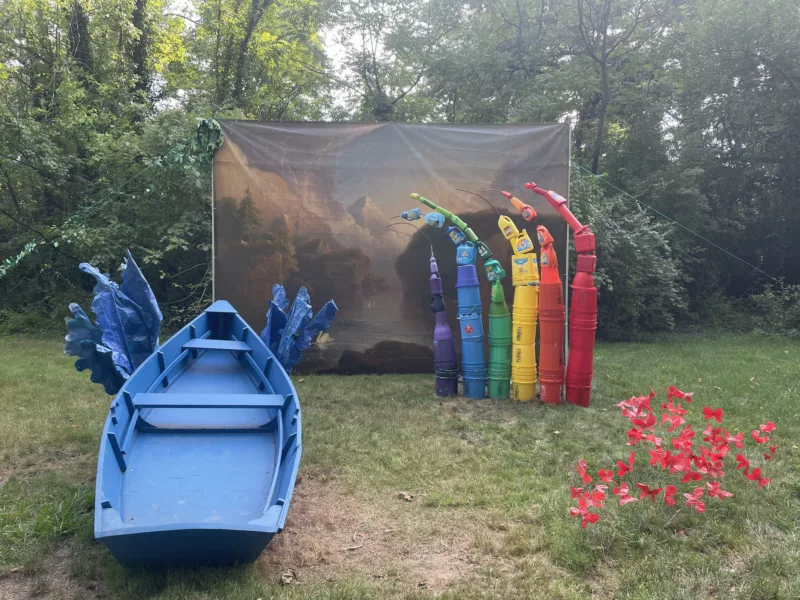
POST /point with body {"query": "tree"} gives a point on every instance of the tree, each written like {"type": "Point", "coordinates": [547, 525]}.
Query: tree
{"type": "Point", "coordinates": [607, 29]}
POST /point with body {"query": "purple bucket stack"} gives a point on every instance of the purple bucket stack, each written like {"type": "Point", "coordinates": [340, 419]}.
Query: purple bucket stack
{"type": "Point", "coordinates": [444, 348]}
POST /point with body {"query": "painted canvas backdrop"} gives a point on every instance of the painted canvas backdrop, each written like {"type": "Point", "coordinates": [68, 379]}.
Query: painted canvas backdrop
{"type": "Point", "coordinates": [308, 204]}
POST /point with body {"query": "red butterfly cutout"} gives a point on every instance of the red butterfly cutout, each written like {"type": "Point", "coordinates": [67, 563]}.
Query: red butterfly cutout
{"type": "Point", "coordinates": [622, 492]}
{"type": "Point", "coordinates": [626, 468]}
{"type": "Point", "coordinates": [767, 456]}
{"type": "Point", "coordinates": [762, 483]}
{"type": "Point", "coordinates": [708, 413]}
{"type": "Point", "coordinates": [646, 491]}
{"type": "Point", "coordinates": [585, 477]}
{"type": "Point", "coordinates": [742, 462]}
{"type": "Point", "coordinates": [668, 495]}
{"type": "Point", "coordinates": [634, 437]}
{"type": "Point", "coordinates": [691, 476]}
{"type": "Point", "coordinates": [737, 440]}
{"type": "Point", "coordinates": [773, 449]}
{"type": "Point", "coordinates": [770, 426]}
{"type": "Point", "coordinates": [652, 438]}
{"type": "Point", "coordinates": [693, 500]}
{"type": "Point", "coordinates": [757, 437]}
{"type": "Point", "coordinates": [606, 476]}
{"type": "Point", "coordinates": [589, 517]}
{"type": "Point", "coordinates": [575, 491]}
{"type": "Point", "coordinates": [647, 422]}
{"type": "Point", "coordinates": [753, 475]}
{"type": "Point", "coordinates": [715, 491]}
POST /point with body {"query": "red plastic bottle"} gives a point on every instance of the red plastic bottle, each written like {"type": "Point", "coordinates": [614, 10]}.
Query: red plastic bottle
{"type": "Point", "coordinates": [551, 322]}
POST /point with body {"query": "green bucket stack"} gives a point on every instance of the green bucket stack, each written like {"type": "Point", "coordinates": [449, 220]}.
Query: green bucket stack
{"type": "Point", "coordinates": [499, 371]}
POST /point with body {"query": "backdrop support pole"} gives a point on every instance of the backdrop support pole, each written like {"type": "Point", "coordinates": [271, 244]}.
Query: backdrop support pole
{"type": "Point", "coordinates": [213, 241]}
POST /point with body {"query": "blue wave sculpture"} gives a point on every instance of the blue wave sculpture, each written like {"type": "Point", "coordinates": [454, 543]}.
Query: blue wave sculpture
{"type": "Point", "coordinates": [288, 335]}
{"type": "Point", "coordinates": [126, 333]}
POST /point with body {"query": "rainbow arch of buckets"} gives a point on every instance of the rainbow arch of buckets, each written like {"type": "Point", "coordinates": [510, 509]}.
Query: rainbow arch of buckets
{"type": "Point", "coordinates": [538, 301]}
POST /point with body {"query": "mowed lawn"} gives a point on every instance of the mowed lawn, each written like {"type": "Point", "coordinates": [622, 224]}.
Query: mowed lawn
{"type": "Point", "coordinates": [404, 495]}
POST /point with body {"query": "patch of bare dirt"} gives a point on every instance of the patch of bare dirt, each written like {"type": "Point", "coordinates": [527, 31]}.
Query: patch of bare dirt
{"type": "Point", "coordinates": [50, 580]}
{"type": "Point", "coordinates": [330, 534]}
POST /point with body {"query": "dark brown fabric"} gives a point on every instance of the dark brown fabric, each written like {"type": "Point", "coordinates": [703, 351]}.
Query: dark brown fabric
{"type": "Point", "coordinates": [308, 203]}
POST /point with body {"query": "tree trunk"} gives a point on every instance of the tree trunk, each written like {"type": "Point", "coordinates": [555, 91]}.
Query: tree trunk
{"type": "Point", "coordinates": [79, 49]}
{"type": "Point", "coordinates": [257, 9]}
{"type": "Point", "coordinates": [601, 121]}
{"type": "Point", "coordinates": [139, 51]}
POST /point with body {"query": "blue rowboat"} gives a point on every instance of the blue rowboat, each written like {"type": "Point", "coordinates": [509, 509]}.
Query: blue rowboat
{"type": "Point", "coordinates": [200, 449]}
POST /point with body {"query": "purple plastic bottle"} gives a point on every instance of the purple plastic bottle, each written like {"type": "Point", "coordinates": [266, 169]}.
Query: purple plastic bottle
{"type": "Point", "coordinates": [444, 348]}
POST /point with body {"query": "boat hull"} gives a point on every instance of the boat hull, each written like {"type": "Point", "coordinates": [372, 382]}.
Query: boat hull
{"type": "Point", "coordinates": [200, 449]}
{"type": "Point", "coordinates": [188, 546]}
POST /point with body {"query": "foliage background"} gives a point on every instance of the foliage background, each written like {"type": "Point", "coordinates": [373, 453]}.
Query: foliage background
{"type": "Point", "coordinates": [691, 106]}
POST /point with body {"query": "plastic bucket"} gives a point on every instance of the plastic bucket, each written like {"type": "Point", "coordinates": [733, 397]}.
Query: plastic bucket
{"type": "Point", "coordinates": [523, 356]}
{"type": "Point", "coordinates": [467, 276]}
{"type": "Point", "coordinates": [474, 387]}
{"type": "Point", "coordinates": [523, 392]}
{"type": "Point", "coordinates": [474, 379]}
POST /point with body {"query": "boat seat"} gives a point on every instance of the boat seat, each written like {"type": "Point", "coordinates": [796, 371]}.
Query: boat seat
{"type": "Point", "coordinates": [209, 344]}
{"type": "Point", "coordinates": [142, 401]}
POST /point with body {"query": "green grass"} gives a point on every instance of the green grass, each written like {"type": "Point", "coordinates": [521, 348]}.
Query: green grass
{"type": "Point", "coordinates": [492, 477]}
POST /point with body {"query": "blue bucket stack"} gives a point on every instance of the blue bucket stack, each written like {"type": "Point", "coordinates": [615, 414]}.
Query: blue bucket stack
{"type": "Point", "coordinates": [473, 364]}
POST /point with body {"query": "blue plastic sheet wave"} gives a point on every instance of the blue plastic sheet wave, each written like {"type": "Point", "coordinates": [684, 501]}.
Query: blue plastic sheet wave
{"type": "Point", "coordinates": [126, 332]}
{"type": "Point", "coordinates": [288, 335]}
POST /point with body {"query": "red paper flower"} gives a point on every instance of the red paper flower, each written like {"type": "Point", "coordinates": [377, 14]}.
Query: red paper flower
{"type": "Point", "coordinates": [708, 413]}
{"type": "Point", "coordinates": [606, 476]}
{"type": "Point", "coordinates": [757, 437]}
{"type": "Point", "coordinates": [646, 491]}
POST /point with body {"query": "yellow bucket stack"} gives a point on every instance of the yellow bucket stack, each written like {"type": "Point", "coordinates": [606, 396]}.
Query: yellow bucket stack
{"type": "Point", "coordinates": [525, 278]}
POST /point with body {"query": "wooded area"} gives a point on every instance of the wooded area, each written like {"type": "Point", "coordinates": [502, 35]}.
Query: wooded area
{"type": "Point", "coordinates": [692, 107]}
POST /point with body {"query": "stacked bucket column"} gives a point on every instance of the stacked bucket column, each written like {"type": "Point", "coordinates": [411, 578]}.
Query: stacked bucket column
{"type": "Point", "coordinates": [583, 309]}
{"type": "Point", "coordinates": [525, 278]}
{"type": "Point", "coordinates": [473, 365]}
{"type": "Point", "coordinates": [499, 344]}
{"type": "Point", "coordinates": [444, 348]}
{"type": "Point", "coordinates": [551, 322]}
{"type": "Point", "coordinates": [499, 335]}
